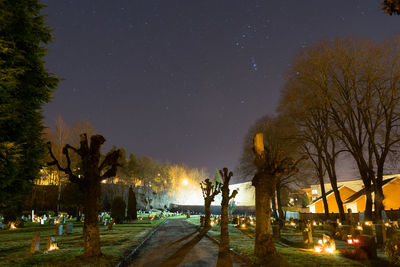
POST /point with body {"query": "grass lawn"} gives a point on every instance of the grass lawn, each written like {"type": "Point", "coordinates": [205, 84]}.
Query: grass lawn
{"type": "Point", "coordinates": [242, 240]}
{"type": "Point", "coordinates": [15, 244]}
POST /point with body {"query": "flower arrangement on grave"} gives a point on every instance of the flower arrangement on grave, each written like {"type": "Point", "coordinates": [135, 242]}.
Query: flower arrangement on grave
{"type": "Point", "coordinates": [12, 226]}
{"type": "Point", "coordinates": [326, 244]}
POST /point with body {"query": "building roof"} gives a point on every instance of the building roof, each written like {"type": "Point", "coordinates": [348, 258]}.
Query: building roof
{"type": "Point", "coordinates": [360, 193]}
{"type": "Point", "coordinates": [326, 194]}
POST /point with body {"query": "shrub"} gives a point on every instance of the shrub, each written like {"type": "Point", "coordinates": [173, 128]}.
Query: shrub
{"type": "Point", "coordinates": [118, 207]}
{"type": "Point", "coordinates": [392, 249]}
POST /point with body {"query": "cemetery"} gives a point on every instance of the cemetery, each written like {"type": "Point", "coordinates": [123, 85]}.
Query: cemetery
{"type": "Point", "coordinates": [199, 133]}
{"type": "Point", "coordinates": [58, 240]}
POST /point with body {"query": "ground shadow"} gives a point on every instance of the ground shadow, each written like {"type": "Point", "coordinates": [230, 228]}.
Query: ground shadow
{"type": "Point", "coordinates": [224, 257]}
{"type": "Point", "coordinates": [176, 258]}
{"type": "Point", "coordinates": [184, 238]}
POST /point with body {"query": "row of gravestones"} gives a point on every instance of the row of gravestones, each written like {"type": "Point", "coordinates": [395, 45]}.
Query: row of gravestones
{"type": "Point", "coordinates": [59, 231]}
{"type": "Point", "coordinates": [35, 245]}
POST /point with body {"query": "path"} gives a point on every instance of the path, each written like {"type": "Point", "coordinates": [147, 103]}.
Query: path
{"type": "Point", "coordinates": [178, 243]}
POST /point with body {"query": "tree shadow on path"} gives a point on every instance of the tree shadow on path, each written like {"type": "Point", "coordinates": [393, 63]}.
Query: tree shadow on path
{"type": "Point", "coordinates": [224, 258]}
{"type": "Point", "coordinates": [176, 258]}
{"type": "Point", "coordinates": [184, 238]}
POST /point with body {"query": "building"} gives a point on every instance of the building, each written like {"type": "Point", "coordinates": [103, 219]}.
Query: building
{"type": "Point", "coordinates": [391, 190]}
{"type": "Point", "coordinates": [317, 205]}
{"type": "Point", "coordinates": [354, 184]}
{"type": "Point", "coordinates": [353, 195]}
{"type": "Point", "coordinates": [246, 194]}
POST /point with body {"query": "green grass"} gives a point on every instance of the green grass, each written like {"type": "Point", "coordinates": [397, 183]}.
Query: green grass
{"type": "Point", "coordinates": [15, 244]}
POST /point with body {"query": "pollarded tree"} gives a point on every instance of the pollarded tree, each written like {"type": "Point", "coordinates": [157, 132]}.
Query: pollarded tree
{"type": "Point", "coordinates": [92, 172]}
{"type": "Point", "coordinates": [209, 190]}
{"type": "Point", "coordinates": [226, 177]}
{"type": "Point", "coordinates": [271, 162]}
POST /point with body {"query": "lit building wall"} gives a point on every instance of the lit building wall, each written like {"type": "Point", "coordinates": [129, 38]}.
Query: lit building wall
{"type": "Point", "coordinates": [246, 194]}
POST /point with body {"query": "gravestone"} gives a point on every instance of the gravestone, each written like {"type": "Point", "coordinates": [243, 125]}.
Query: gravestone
{"type": "Point", "coordinates": [349, 217]}
{"type": "Point", "coordinates": [60, 229]}
{"type": "Point", "coordinates": [110, 224]}
{"type": "Point", "coordinates": [70, 227]}
{"type": "Point", "coordinates": [361, 215]}
{"type": "Point", "coordinates": [41, 221]}
{"type": "Point", "coordinates": [1, 226]}
{"type": "Point", "coordinates": [64, 219]}
{"type": "Point", "coordinates": [384, 216]}
{"type": "Point", "coordinates": [105, 222]}
{"type": "Point", "coordinates": [35, 242]}
{"type": "Point", "coordinates": [33, 215]}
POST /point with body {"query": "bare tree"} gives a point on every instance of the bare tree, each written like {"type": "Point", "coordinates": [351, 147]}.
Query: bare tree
{"type": "Point", "coordinates": [226, 177]}
{"type": "Point", "coordinates": [93, 172]}
{"type": "Point", "coordinates": [209, 190]}
{"type": "Point", "coordinates": [356, 83]}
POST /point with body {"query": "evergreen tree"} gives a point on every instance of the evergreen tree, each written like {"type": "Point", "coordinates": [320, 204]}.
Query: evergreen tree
{"type": "Point", "coordinates": [25, 86]}
{"type": "Point", "coordinates": [118, 207]}
{"type": "Point", "coordinates": [132, 214]}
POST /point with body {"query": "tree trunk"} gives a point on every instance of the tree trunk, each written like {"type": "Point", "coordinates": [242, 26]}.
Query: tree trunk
{"type": "Point", "coordinates": [279, 201]}
{"type": "Point", "coordinates": [91, 225]}
{"type": "Point", "coordinates": [274, 211]}
{"type": "Point", "coordinates": [207, 212]}
{"type": "Point", "coordinates": [264, 244]}
{"type": "Point", "coordinates": [368, 203]}
{"type": "Point", "coordinates": [379, 207]}
{"type": "Point", "coordinates": [339, 202]}
{"type": "Point", "coordinates": [324, 201]}
{"type": "Point", "coordinates": [224, 247]}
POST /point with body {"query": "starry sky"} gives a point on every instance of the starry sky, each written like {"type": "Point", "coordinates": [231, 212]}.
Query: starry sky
{"type": "Point", "coordinates": [182, 81]}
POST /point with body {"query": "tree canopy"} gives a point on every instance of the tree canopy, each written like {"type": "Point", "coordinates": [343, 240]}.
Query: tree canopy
{"type": "Point", "coordinates": [25, 86]}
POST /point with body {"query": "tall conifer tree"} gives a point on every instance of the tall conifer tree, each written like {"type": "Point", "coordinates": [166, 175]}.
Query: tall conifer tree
{"type": "Point", "coordinates": [25, 86]}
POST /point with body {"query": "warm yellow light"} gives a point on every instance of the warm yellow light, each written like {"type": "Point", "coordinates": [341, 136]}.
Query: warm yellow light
{"type": "Point", "coordinates": [243, 225]}
{"type": "Point", "coordinates": [12, 226]}
{"type": "Point", "coordinates": [293, 224]}
{"type": "Point", "coordinates": [212, 223]}
{"type": "Point", "coordinates": [330, 249]}
{"type": "Point", "coordinates": [359, 228]}
{"type": "Point", "coordinates": [185, 181]}
{"type": "Point", "coordinates": [53, 247]}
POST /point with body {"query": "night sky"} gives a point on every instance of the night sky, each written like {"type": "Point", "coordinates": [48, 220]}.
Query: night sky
{"type": "Point", "coordinates": [183, 80]}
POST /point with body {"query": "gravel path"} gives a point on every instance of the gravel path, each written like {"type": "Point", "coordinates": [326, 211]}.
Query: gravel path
{"type": "Point", "coordinates": [178, 243]}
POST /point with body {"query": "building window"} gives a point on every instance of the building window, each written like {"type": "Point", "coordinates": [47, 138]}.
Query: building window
{"type": "Point", "coordinates": [314, 192]}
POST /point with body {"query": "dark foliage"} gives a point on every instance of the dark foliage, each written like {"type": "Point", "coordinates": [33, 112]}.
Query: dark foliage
{"type": "Point", "coordinates": [391, 7]}
{"type": "Point", "coordinates": [25, 86]}
{"type": "Point", "coordinates": [132, 214]}
{"type": "Point", "coordinates": [118, 208]}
